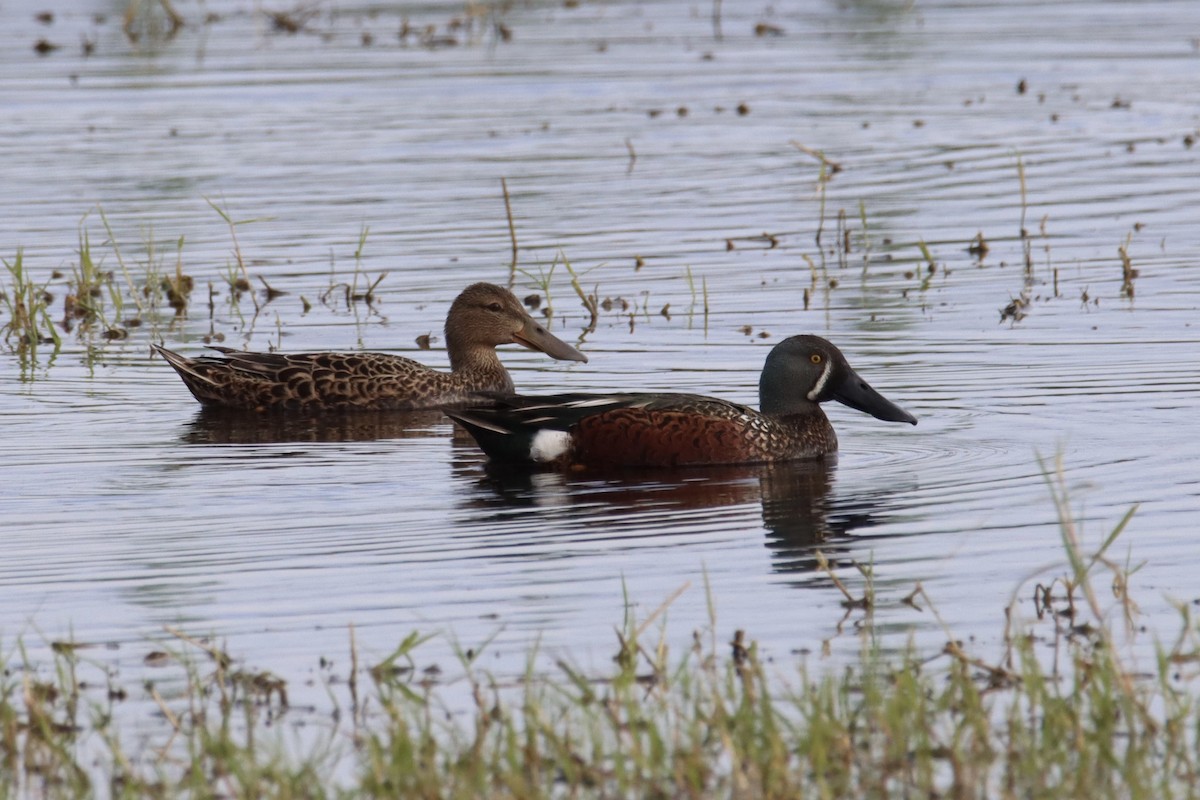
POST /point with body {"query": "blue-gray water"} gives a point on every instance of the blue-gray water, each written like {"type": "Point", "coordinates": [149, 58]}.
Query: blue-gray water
{"type": "Point", "coordinates": [617, 127]}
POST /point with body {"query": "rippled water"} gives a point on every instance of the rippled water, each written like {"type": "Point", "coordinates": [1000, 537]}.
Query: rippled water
{"type": "Point", "coordinates": [617, 128]}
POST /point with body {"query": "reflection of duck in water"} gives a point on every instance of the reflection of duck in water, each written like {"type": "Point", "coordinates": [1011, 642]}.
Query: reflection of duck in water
{"type": "Point", "coordinates": [615, 491]}
{"type": "Point", "coordinates": [801, 511]}
{"type": "Point", "coordinates": [225, 426]}
{"type": "Point", "coordinates": [481, 318]}
{"type": "Point", "coordinates": [667, 430]}
{"type": "Point", "coordinates": [799, 508]}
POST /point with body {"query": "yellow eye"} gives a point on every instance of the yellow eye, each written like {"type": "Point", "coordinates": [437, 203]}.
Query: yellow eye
{"type": "Point", "coordinates": [815, 358]}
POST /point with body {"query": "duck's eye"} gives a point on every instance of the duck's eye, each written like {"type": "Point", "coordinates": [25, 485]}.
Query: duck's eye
{"type": "Point", "coordinates": [816, 358]}
{"type": "Point", "coordinates": [495, 307]}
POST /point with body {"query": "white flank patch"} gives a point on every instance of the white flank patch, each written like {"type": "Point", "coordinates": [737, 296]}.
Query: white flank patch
{"type": "Point", "coordinates": [820, 387]}
{"type": "Point", "coordinates": [549, 445]}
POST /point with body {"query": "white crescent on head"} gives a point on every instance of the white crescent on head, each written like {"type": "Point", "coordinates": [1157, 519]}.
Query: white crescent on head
{"type": "Point", "coordinates": [821, 381]}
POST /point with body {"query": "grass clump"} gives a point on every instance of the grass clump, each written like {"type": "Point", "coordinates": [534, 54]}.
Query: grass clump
{"type": "Point", "coordinates": [1059, 714]}
{"type": "Point", "coordinates": [99, 305]}
{"type": "Point", "coordinates": [27, 303]}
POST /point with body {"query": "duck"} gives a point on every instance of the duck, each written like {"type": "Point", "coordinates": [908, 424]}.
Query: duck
{"type": "Point", "coordinates": [481, 318]}
{"type": "Point", "coordinates": [579, 431]}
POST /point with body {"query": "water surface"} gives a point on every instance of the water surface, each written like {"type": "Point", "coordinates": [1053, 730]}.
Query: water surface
{"type": "Point", "coordinates": [617, 127]}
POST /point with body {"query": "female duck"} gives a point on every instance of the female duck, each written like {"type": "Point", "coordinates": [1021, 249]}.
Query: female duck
{"type": "Point", "coordinates": [666, 430]}
{"type": "Point", "coordinates": [480, 318]}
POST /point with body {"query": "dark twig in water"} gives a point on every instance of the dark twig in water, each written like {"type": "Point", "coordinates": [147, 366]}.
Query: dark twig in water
{"type": "Point", "coordinates": [821, 214]}
{"type": "Point", "coordinates": [270, 291]}
{"type": "Point", "coordinates": [512, 235]}
{"type": "Point", "coordinates": [770, 239]}
{"type": "Point", "coordinates": [843, 237]}
{"type": "Point", "coordinates": [590, 301]}
{"type": "Point", "coordinates": [851, 601]}
{"type": "Point", "coordinates": [1128, 273]}
{"type": "Point", "coordinates": [833, 166]}
{"type": "Point", "coordinates": [1024, 210]}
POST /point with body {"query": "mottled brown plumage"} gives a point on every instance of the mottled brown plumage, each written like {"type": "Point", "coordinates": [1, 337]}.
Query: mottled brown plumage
{"type": "Point", "coordinates": [667, 430]}
{"type": "Point", "coordinates": [480, 318]}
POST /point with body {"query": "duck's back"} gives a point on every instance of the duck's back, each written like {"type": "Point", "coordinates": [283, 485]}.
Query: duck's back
{"type": "Point", "coordinates": [689, 430]}
{"type": "Point", "coordinates": [327, 381]}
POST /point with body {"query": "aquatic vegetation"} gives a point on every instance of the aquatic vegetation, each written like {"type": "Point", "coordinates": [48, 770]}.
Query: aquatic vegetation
{"type": "Point", "coordinates": [591, 302]}
{"type": "Point", "coordinates": [98, 305]}
{"type": "Point", "coordinates": [350, 291]}
{"type": "Point", "coordinates": [27, 303]}
{"type": "Point", "coordinates": [1061, 713]}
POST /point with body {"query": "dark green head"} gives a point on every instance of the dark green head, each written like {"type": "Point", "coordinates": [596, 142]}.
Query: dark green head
{"type": "Point", "coordinates": [803, 371]}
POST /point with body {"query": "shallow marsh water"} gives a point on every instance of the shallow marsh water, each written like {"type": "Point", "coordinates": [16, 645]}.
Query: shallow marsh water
{"type": "Point", "coordinates": [126, 510]}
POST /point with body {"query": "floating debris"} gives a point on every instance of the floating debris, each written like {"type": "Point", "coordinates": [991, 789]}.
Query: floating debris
{"type": "Point", "coordinates": [291, 22]}
{"type": "Point", "coordinates": [979, 246]}
{"type": "Point", "coordinates": [1015, 310]}
{"type": "Point", "coordinates": [156, 658]}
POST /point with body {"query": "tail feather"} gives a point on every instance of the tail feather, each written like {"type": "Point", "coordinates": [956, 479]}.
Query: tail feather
{"type": "Point", "coordinates": [500, 440]}
{"type": "Point", "coordinates": [183, 365]}
{"type": "Point", "coordinates": [470, 419]}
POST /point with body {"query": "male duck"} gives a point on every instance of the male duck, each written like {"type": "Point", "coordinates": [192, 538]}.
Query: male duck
{"type": "Point", "coordinates": [666, 430]}
{"type": "Point", "coordinates": [480, 318]}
